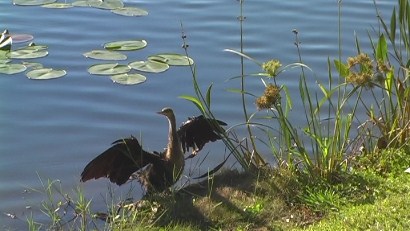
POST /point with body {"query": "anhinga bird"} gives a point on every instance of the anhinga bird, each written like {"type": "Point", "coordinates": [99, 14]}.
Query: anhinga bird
{"type": "Point", "coordinates": [155, 171]}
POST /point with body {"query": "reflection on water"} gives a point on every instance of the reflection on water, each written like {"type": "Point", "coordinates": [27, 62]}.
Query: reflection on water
{"type": "Point", "coordinates": [51, 129]}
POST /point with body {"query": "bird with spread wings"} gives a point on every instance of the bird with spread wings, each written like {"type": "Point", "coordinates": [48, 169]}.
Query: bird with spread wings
{"type": "Point", "coordinates": [155, 171]}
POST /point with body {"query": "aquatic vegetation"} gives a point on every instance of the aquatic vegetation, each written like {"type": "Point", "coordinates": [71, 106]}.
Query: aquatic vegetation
{"type": "Point", "coordinates": [30, 51]}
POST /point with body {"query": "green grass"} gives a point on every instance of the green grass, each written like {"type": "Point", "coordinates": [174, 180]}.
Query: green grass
{"type": "Point", "coordinates": [388, 212]}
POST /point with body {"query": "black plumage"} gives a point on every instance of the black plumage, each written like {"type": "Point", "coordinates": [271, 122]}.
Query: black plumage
{"type": "Point", "coordinates": [155, 171]}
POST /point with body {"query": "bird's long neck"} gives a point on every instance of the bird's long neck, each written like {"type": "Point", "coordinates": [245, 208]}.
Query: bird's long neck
{"type": "Point", "coordinates": [174, 154]}
{"type": "Point", "coordinates": [174, 145]}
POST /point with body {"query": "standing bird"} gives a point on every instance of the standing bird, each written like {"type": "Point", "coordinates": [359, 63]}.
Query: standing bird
{"type": "Point", "coordinates": [155, 171]}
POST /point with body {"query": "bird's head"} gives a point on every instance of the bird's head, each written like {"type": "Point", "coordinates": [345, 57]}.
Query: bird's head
{"type": "Point", "coordinates": [166, 111]}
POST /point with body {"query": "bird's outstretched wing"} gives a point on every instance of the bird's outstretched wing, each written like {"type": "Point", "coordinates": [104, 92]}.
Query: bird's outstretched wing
{"type": "Point", "coordinates": [197, 131]}
{"type": "Point", "coordinates": [117, 163]}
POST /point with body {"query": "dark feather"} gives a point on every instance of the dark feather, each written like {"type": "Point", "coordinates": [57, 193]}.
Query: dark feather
{"type": "Point", "coordinates": [117, 163]}
{"type": "Point", "coordinates": [198, 131]}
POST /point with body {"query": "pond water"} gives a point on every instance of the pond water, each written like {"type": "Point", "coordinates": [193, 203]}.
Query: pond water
{"type": "Point", "coordinates": [51, 129]}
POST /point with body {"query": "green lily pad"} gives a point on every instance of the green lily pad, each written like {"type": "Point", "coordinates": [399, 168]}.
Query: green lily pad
{"type": "Point", "coordinates": [172, 59]}
{"type": "Point", "coordinates": [127, 45]}
{"type": "Point", "coordinates": [149, 66]}
{"type": "Point", "coordinates": [32, 2]}
{"type": "Point", "coordinates": [106, 4]}
{"type": "Point", "coordinates": [105, 55]}
{"type": "Point", "coordinates": [58, 5]}
{"type": "Point", "coordinates": [33, 65]}
{"type": "Point", "coordinates": [28, 53]}
{"type": "Point", "coordinates": [4, 56]}
{"type": "Point", "coordinates": [12, 68]}
{"type": "Point", "coordinates": [130, 11]}
{"type": "Point", "coordinates": [45, 73]}
{"type": "Point", "coordinates": [81, 3]}
{"type": "Point", "coordinates": [108, 69]}
{"type": "Point", "coordinates": [128, 79]}
{"type": "Point", "coordinates": [5, 60]}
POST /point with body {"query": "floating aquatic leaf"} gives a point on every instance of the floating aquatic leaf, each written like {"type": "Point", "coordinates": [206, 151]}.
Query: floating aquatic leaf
{"type": "Point", "coordinates": [130, 11]}
{"type": "Point", "coordinates": [12, 68]}
{"type": "Point", "coordinates": [45, 73]}
{"type": "Point", "coordinates": [108, 69]}
{"type": "Point", "coordinates": [58, 5]}
{"type": "Point", "coordinates": [81, 3]}
{"type": "Point", "coordinates": [173, 59]}
{"type": "Point", "coordinates": [105, 55]}
{"type": "Point", "coordinates": [149, 66]}
{"type": "Point", "coordinates": [21, 38]}
{"type": "Point", "coordinates": [28, 53]}
{"type": "Point", "coordinates": [4, 56]}
{"type": "Point", "coordinates": [106, 4]}
{"type": "Point", "coordinates": [33, 65]}
{"type": "Point", "coordinates": [32, 2]}
{"type": "Point", "coordinates": [129, 79]}
{"type": "Point", "coordinates": [5, 60]}
{"type": "Point", "coordinates": [127, 45]}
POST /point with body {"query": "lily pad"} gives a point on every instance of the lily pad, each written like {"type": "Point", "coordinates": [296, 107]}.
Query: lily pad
{"type": "Point", "coordinates": [28, 53]}
{"type": "Point", "coordinates": [33, 65]}
{"type": "Point", "coordinates": [108, 69]}
{"type": "Point", "coordinates": [105, 55]}
{"type": "Point", "coordinates": [149, 66]}
{"type": "Point", "coordinates": [12, 68]}
{"type": "Point", "coordinates": [21, 38]}
{"type": "Point", "coordinates": [129, 79]}
{"type": "Point", "coordinates": [126, 45]}
{"type": "Point", "coordinates": [130, 11]}
{"type": "Point", "coordinates": [106, 4]}
{"type": "Point", "coordinates": [32, 2]}
{"type": "Point", "coordinates": [81, 3]}
{"type": "Point", "coordinates": [58, 5]}
{"type": "Point", "coordinates": [172, 59]}
{"type": "Point", "coordinates": [45, 73]}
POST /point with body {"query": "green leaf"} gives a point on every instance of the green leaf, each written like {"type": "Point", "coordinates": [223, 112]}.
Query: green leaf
{"type": "Point", "coordinates": [12, 68]}
{"type": "Point", "coordinates": [393, 26]}
{"type": "Point", "coordinates": [57, 5]}
{"type": "Point", "coordinates": [45, 73]}
{"type": "Point", "coordinates": [105, 55]}
{"type": "Point", "coordinates": [208, 95]}
{"type": "Point", "coordinates": [388, 82]}
{"type": "Point", "coordinates": [341, 68]}
{"type": "Point", "coordinates": [381, 50]}
{"type": "Point", "coordinates": [32, 2]}
{"type": "Point", "coordinates": [106, 4]}
{"type": "Point", "coordinates": [33, 65]}
{"type": "Point", "coordinates": [129, 79]}
{"type": "Point", "coordinates": [127, 45]}
{"type": "Point", "coordinates": [172, 59]}
{"type": "Point", "coordinates": [149, 66]}
{"type": "Point", "coordinates": [28, 53]}
{"type": "Point", "coordinates": [194, 100]}
{"type": "Point", "coordinates": [108, 69]}
{"type": "Point", "coordinates": [130, 11]}
{"type": "Point", "coordinates": [80, 3]}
